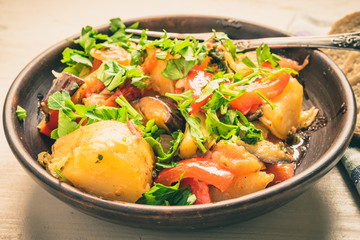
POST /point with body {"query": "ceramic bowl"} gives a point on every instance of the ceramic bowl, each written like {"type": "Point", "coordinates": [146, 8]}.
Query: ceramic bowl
{"type": "Point", "coordinates": [325, 87]}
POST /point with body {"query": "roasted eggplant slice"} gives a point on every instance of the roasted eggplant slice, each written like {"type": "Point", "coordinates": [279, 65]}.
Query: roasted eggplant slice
{"type": "Point", "coordinates": [163, 110]}
{"type": "Point", "coordinates": [268, 152]}
{"type": "Point", "coordinates": [65, 81]}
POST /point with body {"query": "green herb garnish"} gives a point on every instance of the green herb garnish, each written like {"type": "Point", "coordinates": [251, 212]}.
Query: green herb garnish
{"type": "Point", "coordinates": [20, 113]}
{"type": "Point", "coordinates": [169, 196]}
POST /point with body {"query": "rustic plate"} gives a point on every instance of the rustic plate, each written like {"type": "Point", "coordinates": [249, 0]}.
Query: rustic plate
{"type": "Point", "coordinates": [325, 87]}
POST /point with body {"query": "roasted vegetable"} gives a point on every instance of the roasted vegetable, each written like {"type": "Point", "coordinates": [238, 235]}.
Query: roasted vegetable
{"type": "Point", "coordinates": [267, 152]}
{"type": "Point", "coordinates": [286, 115]}
{"type": "Point", "coordinates": [163, 110]}
{"type": "Point", "coordinates": [65, 81]}
{"type": "Point", "coordinates": [105, 159]}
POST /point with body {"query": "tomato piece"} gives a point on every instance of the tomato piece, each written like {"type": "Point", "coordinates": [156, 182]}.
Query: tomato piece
{"type": "Point", "coordinates": [115, 53]}
{"type": "Point", "coordinates": [200, 189]}
{"type": "Point", "coordinates": [196, 80]}
{"type": "Point", "coordinates": [95, 65]}
{"type": "Point", "coordinates": [52, 124]}
{"type": "Point", "coordinates": [282, 172]}
{"type": "Point", "coordinates": [201, 169]}
{"type": "Point", "coordinates": [134, 130]}
{"type": "Point", "coordinates": [93, 85]}
{"type": "Point", "coordinates": [130, 91]}
{"type": "Point", "coordinates": [110, 102]}
{"type": "Point", "coordinates": [270, 89]}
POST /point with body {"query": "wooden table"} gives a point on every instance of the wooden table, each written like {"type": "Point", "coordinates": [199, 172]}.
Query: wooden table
{"type": "Point", "coordinates": [328, 210]}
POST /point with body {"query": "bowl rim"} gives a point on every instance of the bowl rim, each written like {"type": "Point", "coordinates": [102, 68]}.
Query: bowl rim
{"type": "Point", "coordinates": [323, 165]}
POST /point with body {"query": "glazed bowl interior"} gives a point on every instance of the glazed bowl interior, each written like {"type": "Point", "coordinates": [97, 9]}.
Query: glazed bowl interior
{"type": "Point", "coordinates": [325, 87]}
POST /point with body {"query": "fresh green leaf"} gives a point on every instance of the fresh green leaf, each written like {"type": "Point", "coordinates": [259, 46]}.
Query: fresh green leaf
{"type": "Point", "coordinates": [162, 195]}
{"type": "Point", "coordinates": [163, 157]}
{"type": "Point", "coordinates": [218, 128]}
{"type": "Point", "coordinates": [74, 86]}
{"type": "Point", "coordinates": [20, 113]}
{"type": "Point", "coordinates": [112, 74]}
{"type": "Point", "coordinates": [251, 134]}
{"type": "Point", "coordinates": [272, 105]}
{"type": "Point", "coordinates": [209, 89]}
{"type": "Point", "coordinates": [178, 68]}
{"type": "Point", "coordinates": [65, 124]}
{"type": "Point", "coordinates": [125, 104]}
{"type": "Point", "coordinates": [116, 24]}
{"type": "Point", "coordinates": [216, 101]}
{"type": "Point", "coordinates": [57, 100]}
{"type": "Point", "coordinates": [248, 62]}
{"type": "Point", "coordinates": [73, 56]}
{"type": "Point", "coordinates": [134, 25]}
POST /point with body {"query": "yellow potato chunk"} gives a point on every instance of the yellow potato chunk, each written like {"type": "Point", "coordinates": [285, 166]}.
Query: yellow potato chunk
{"type": "Point", "coordinates": [105, 159]}
{"type": "Point", "coordinates": [286, 114]}
{"type": "Point", "coordinates": [154, 68]}
{"type": "Point", "coordinates": [188, 147]}
{"type": "Point", "coordinates": [242, 185]}
{"type": "Point", "coordinates": [237, 158]}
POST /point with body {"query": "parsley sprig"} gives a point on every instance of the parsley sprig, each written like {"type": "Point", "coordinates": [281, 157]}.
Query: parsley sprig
{"type": "Point", "coordinates": [162, 195]}
{"type": "Point", "coordinates": [90, 38]}
{"type": "Point", "coordinates": [112, 74]}
{"type": "Point", "coordinates": [222, 122]}
{"type": "Point", "coordinates": [20, 113]}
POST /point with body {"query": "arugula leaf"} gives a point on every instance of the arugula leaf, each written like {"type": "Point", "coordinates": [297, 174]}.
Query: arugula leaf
{"type": "Point", "coordinates": [248, 62]}
{"type": "Point", "coordinates": [266, 99]}
{"type": "Point", "coordinates": [165, 158]}
{"type": "Point", "coordinates": [218, 128]}
{"type": "Point", "coordinates": [65, 125]}
{"type": "Point", "coordinates": [116, 24]}
{"type": "Point", "coordinates": [209, 88]}
{"type": "Point", "coordinates": [169, 196]}
{"type": "Point", "coordinates": [167, 165]}
{"type": "Point", "coordinates": [20, 113]}
{"type": "Point", "coordinates": [74, 86]}
{"type": "Point", "coordinates": [73, 56]}
{"type": "Point", "coordinates": [125, 104]}
{"type": "Point", "coordinates": [89, 38]}
{"type": "Point", "coordinates": [186, 54]}
{"type": "Point", "coordinates": [251, 134]}
{"type": "Point", "coordinates": [184, 100]}
{"type": "Point", "coordinates": [263, 54]}
{"type": "Point", "coordinates": [228, 44]}
{"type": "Point", "coordinates": [112, 74]}
{"type": "Point", "coordinates": [71, 116]}
{"type": "Point", "coordinates": [152, 130]}
{"type": "Point", "coordinates": [178, 68]}
{"type": "Point", "coordinates": [216, 101]}
{"type": "Point", "coordinates": [57, 100]}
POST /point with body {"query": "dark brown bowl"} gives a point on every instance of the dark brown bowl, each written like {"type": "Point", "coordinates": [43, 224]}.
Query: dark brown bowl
{"type": "Point", "coordinates": [325, 87]}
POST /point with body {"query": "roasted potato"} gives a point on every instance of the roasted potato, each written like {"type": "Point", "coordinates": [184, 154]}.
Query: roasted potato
{"type": "Point", "coordinates": [105, 159]}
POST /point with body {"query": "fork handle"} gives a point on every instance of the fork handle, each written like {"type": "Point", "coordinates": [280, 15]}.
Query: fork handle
{"type": "Point", "coordinates": [344, 41]}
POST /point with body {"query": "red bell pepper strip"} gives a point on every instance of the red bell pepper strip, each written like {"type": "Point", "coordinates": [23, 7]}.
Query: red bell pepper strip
{"type": "Point", "coordinates": [95, 65]}
{"type": "Point", "coordinates": [202, 169]}
{"type": "Point", "coordinates": [200, 189]}
{"type": "Point", "coordinates": [52, 124]}
{"type": "Point", "coordinates": [270, 89]}
{"type": "Point", "coordinates": [282, 172]}
{"type": "Point", "coordinates": [196, 80]}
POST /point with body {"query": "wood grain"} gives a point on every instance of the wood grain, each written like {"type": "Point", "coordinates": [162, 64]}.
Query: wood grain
{"type": "Point", "coordinates": [328, 210]}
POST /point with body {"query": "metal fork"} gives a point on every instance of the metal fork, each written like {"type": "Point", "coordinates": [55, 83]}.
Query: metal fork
{"type": "Point", "coordinates": [349, 41]}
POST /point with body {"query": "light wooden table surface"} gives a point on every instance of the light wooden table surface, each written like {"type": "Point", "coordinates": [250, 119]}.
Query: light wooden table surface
{"type": "Point", "coordinates": [328, 210]}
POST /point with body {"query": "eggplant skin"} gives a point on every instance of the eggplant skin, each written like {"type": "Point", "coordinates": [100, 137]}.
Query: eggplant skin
{"type": "Point", "coordinates": [65, 81]}
{"type": "Point", "coordinates": [163, 109]}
